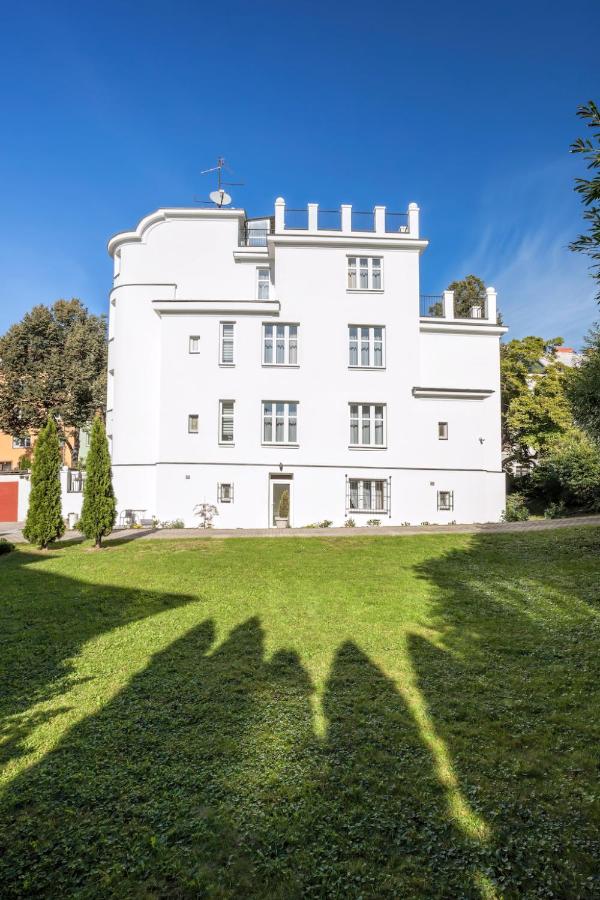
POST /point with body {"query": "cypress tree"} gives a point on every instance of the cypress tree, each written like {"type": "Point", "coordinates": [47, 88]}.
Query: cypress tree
{"type": "Point", "coordinates": [44, 521]}
{"type": "Point", "coordinates": [99, 509]}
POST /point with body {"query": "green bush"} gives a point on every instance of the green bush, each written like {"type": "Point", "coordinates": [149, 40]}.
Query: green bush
{"type": "Point", "coordinates": [5, 546]}
{"type": "Point", "coordinates": [350, 523]}
{"type": "Point", "coordinates": [569, 473]}
{"type": "Point", "coordinates": [555, 510]}
{"type": "Point", "coordinates": [373, 523]}
{"type": "Point", "coordinates": [44, 521]}
{"type": "Point", "coordinates": [99, 509]}
{"type": "Point", "coordinates": [516, 509]}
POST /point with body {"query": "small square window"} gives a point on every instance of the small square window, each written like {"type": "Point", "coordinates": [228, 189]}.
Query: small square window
{"type": "Point", "coordinates": [445, 500]}
{"type": "Point", "coordinates": [225, 492]}
{"type": "Point", "coordinates": [193, 421]}
{"type": "Point", "coordinates": [443, 431]}
{"type": "Point", "coordinates": [194, 345]}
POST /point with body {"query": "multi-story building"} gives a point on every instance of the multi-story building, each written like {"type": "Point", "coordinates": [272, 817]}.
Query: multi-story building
{"type": "Point", "coordinates": [292, 355]}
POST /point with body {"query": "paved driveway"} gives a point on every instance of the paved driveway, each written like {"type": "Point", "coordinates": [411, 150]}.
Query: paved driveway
{"type": "Point", "coordinates": [12, 530]}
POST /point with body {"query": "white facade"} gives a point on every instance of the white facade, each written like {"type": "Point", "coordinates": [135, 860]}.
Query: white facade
{"type": "Point", "coordinates": [184, 277]}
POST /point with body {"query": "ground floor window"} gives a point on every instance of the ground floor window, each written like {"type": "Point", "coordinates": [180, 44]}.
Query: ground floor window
{"type": "Point", "coordinates": [445, 500]}
{"type": "Point", "coordinates": [225, 492]}
{"type": "Point", "coordinates": [366, 495]}
{"type": "Point", "coordinates": [75, 481]}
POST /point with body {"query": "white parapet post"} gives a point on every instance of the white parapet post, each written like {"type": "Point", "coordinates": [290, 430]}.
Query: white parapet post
{"type": "Point", "coordinates": [491, 308]}
{"type": "Point", "coordinates": [379, 216]}
{"type": "Point", "coordinates": [279, 215]}
{"type": "Point", "coordinates": [346, 209]}
{"type": "Point", "coordinates": [448, 305]}
{"type": "Point", "coordinates": [313, 217]}
{"type": "Point", "coordinates": [413, 220]}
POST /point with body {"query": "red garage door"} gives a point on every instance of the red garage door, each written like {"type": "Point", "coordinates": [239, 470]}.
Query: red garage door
{"type": "Point", "coordinates": [9, 501]}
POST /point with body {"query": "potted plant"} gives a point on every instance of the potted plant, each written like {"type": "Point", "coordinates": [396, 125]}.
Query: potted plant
{"type": "Point", "coordinates": [282, 519]}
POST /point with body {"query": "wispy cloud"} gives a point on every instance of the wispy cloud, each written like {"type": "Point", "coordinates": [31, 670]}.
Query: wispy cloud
{"type": "Point", "coordinates": [527, 223]}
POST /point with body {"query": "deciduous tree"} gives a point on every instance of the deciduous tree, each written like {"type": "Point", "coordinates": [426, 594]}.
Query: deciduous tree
{"type": "Point", "coordinates": [589, 188]}
{"type": "Point", "coordinates": [584, 387]}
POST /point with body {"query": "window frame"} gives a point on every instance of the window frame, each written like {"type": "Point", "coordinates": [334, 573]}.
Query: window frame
{"type": "Point", "coordinates": [450, 506]}
{"type": "Point", "coordinates": [220, 496]}
{"type": "Point", "coordinates": [386, 493]}
{"type": "Point", "coordinates": [196, 338]}
{"type": "Point", "coordinates": [273, 416]}
{"type": "Point", "coordinates": [371, 343]}
{"type": "Point", "coordinates": [222, 416]}
{"type": "Point", "coordinates": [226, 365]}
{"type": "Point", "coordinates": [443, 431]}
{"type": "Point", "coordinates": [357, 269]}
{"type": "Point", "coordinates": [360, 419]}
{"type": "Point", "coordinates": [286, 345]}
{"type": "Point", "coordinates": [21, 442]}
{"type": "Point", "coordinates": [261, 281]}
{"type": "Point", "coordinates": [195, 430]}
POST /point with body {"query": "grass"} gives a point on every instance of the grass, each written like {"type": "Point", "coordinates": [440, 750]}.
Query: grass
{"type": "Point", "coordinates": [335, 717]}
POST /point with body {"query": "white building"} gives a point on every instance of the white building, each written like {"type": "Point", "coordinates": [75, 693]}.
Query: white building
{"type": "Point", "coordinates": [250, 357]}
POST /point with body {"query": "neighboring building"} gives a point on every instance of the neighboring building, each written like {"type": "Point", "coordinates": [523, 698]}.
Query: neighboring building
{"type": "Point", "coordinates": [253, 358]}
{"type": "Point", "coordinates": [568, 356]}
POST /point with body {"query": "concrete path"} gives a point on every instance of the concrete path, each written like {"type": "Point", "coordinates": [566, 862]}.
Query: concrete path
{"type": "Point", "coordinates": [12, 530]}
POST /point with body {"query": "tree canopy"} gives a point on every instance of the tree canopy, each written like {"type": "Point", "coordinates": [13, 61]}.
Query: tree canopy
{"type": "Point", "coordinates": [584, 387]}
{"type": "Point", "coordinates": [468, 291]}
{"type": "Point", "coordinates": [53, 365]}
{"type": "Point", "coordinates": [589, 188]}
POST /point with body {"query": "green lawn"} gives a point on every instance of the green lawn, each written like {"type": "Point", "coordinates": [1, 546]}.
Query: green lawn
{"type": "Point", "coordinates": [336, 717]}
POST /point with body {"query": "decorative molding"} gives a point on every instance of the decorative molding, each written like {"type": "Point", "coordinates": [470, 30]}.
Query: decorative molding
{"type": "Point", "coordinates": [456, 326]}
{"type": "Point", "coordinates": [360, 240]}
{"type": "Point", "coordinates": [163, 215]}
{"type": "Point", "coordinates": [428, 393]}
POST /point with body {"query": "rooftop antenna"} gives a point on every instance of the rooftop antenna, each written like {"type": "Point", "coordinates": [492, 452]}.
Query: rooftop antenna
{"type": "Point", "coordinates": [220, 197]}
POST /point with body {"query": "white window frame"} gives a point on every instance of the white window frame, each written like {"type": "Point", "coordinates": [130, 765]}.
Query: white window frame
{"type": "Point", "coordinates": [194, 342]}
{"type": "Point", "coordinates": [277, 342]}
{"type": "Point", "coordinates": [223, 417]}
{"type": "Point", "coordinates": [442, 431]}
{"type": "Point", "coordinates": [364, 273]}
{"type": "Point", "coordinates": [363, 493]}
{"type": "Point", "coordinates": [21, 442]}
{"type": "Point", "coordinates": [370, 342]}
{"type": "Point", "coordinates": [261, 281]}
{"type": "Point", "coordinates": [362, 417]}
{"type": "Point", "coordinates": [191, 429]}
{"type": "Point", "coordinates": [443, 506]}
{"type": "Point", "coordinates": [273, 416]}
{"type": "Point", "coordinates": [225, 492]}
{"type": "Point", "coordinates": [222, 340]}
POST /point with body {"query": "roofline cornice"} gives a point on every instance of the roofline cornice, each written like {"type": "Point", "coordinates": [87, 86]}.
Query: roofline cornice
{"type": "Point", "coordinates": [163, 215]}
{"type": "Point", "coordinates": [354, 240]}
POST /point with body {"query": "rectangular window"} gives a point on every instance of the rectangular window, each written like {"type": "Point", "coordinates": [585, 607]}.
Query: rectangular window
{"type": "Point", "coordinates": [366, 346]}
{"type": "Point", "coordinates": [226, 421]}
{"type": "Point", "coordinates": [225, 492]}
{"type": "Point", "coordinates": [367, 425]}
{"type": "Point", "coordinates": [193, 420]}
{"type": "Point", "coordinates": [280, 345]}
{"type": "Point", "coordinates": [280, 422]}
{"type": "Point", "coordinates": [226, 355]}
{"type": "Point", "coordinates": [365, 273]}
{"type": "Point", "coordinates": [445, 500]}
{"type": "Point", "coordinates": [194, 344]}
{"type": "Point", "coordinates": [263, 284]}
{"type": "Point", "coordinates": [21, 443]}
{"type": "Point", "coordinates": [367, 496]}
{"type": "Point", "coordinates": [6, 466]}
{"type": "Point", "coordinates": [75, 481]}
{"type": "Point", "coordinates": [443, 431]}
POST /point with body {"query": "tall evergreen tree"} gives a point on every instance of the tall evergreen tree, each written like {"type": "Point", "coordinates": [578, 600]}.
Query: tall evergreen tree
{"type": "Point", "coordinates": [99, 508]}
{"type": "Point", "coordinates": [44, 516]}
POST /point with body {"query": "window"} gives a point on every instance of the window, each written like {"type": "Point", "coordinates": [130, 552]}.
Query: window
{"type": "Point", "coordinates": [445, 500]}
{"type": "Point", "coordinates": [194, 345]}
{"type": "Point", "coordinates": [280, 422]}
{"type": "Point", "coordinates": [280, 345]}
{"type": "Point", "coordinates": [263, 284]}
{"type": "Point", "coordinates": [21, 443]}
{"type": "Point", "coordinates": [367, 496]}
{"type": "Point", "coordinates": [366, 346]}
{"type": "Point", "coordinates": [367, 425]}
{"type": "Point", "coordinates": [364, 273]}
{"type": "Point", "coordinates": [225, 492]}
{"type": "Point", "coordinates": [226, 421]}
{"type": "Point", "coordinates": [443, 431]}
{"type": "Point", "coordinates": [193, 420]}
{"type": "Point", "coordinates": [226, 355]}
{"type": "Point", "coordinates": [6, 466]}
{"type": "Point", "coordinates": [75, 481]}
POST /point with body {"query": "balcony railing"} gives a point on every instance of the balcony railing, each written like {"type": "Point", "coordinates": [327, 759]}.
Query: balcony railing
{"type": "Point", "coordinates": [431, 306]}
{"type": "Point", "coordinates": [255, 235]}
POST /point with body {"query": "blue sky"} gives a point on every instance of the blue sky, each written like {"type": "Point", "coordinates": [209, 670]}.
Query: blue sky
{"type": "Point", "coordinates": [111, 109]}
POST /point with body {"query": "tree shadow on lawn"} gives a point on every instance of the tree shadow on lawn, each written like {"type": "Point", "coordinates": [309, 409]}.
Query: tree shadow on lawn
{"type": "Point", "coordinates": [45, 619]}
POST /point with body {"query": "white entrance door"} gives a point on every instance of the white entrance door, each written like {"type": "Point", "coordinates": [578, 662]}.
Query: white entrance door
{"type": "Point", "coordinates": [277, 488]}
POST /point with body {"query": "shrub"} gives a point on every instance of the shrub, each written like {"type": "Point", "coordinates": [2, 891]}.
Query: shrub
{"type": "Point", "coordinates": [44, 521]}
{"type": "Point", "coordinates": [99, 509]}
{"type": "Point", "coordinates": [569, 472]}
{"type": "Point", "coordinates": [5, 546]}
{"type": "Point", "coordinates": [326, 523]}
{"type": "Point", "coordinates": [25, 462]}
{"type": "Point", "coordinates": [176, 523]}
{"type": "Point", "coordinates": [555, 510]}
{"type": "Point", "coordinates": [516, 509]}
{"type": "Point", "coordinates": [350, 523]}
{"type": "Point", "coordinates": [373, 523]}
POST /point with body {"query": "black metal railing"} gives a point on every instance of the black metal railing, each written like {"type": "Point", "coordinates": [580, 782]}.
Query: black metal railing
{"type": "Point", "coordinates": [396, 222]}
{"type": "Point", "coordinates": [431, 306]}
{"type": "Point", "coordinates": [329, 220]}
{"type": "Point", "coordinates": [362, 221]}
{"type": "Point", "coordinates": [255, 236]}
{"type": "Point", "coordinates": [296, 219]}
